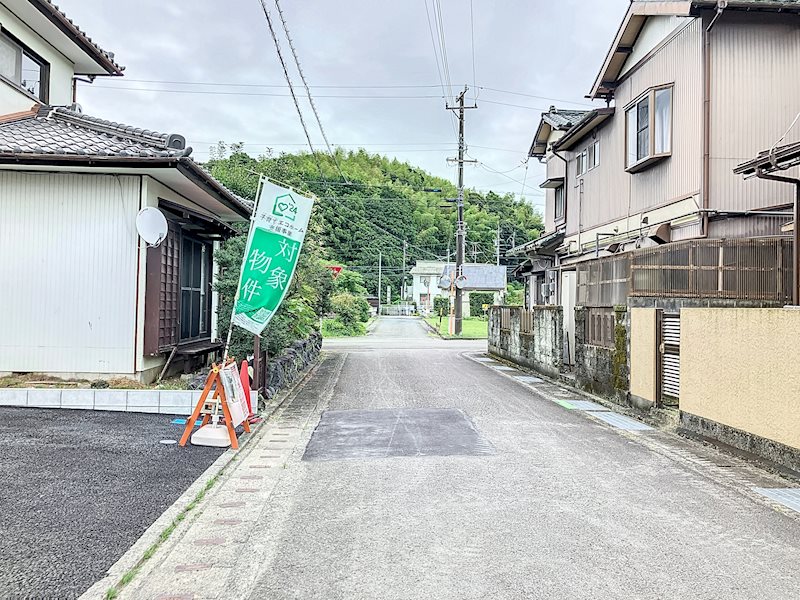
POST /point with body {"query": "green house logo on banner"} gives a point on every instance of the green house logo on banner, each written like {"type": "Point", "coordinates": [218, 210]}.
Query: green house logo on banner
{"type": "Point", "coordinates": [273, 247]}
{"type": "Point", "coordinates": [285, 206]}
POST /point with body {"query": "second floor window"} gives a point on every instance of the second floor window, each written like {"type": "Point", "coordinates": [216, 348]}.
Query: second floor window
{"type": "Point", "coordinates": [23, 67]}
{"type": "Point", "coordinates": [594, 154]}
{"type": "Point", "coordinates": [559, 203]}
{"type": "Point", "coordinates": [648, 123]}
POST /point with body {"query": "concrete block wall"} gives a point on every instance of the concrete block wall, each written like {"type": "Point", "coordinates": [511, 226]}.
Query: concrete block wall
{"type": "Point", "coordinates": [540, 350]}
{"type": "Point", "coordinates": [600, 370]}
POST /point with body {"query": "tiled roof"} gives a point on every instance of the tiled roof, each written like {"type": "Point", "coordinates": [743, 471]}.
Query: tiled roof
{"type": "Point", "coordinates": [54, 135]}
{"type": "Point", "coordinates": [61, 131]}
{"type": "Point", "coordinates": [47, 6]}
{"type": "Point", "coordinates": [562, 119]}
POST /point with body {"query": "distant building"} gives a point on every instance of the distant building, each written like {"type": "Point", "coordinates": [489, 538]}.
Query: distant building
{"type": "Point", "coordinates": [479, 277]}
{"type": "Point", "coordinates": [425, 284]}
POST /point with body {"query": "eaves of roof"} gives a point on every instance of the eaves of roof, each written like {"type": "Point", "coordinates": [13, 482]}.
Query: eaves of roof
{"type": "Point", "coordinates": [554, 119]}
{"type": "Point", "coordinates": [638, 13]}
{"type": "Point", "coordinates": [779, 159]}
{"type": "Point", "coordinates": [581, 129]}
{"type": "Point", "coordinates": [102, 57]}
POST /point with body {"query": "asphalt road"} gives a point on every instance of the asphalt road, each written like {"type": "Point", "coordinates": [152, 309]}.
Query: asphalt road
{"type": "Point", "coordinates": [554, 505]}
{"type": "Point", "coordinates": [78, 489]}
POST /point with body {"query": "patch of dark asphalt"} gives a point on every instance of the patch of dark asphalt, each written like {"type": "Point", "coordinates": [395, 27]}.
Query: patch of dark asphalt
{"type": "Point", "coordinates": [78, 489]}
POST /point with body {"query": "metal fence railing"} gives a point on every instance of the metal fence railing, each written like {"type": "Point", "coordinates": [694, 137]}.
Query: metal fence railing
{"type": "Point", "coordinates": [525, 321]}
{"type": "Point", "coordinates": [743, 269]}
{"type": "Point", "coordinates": [505, 318]}
{"type": "Point", "coordinates": [600, 327]}
{"type": "Point", "coordinates": [747, 269]}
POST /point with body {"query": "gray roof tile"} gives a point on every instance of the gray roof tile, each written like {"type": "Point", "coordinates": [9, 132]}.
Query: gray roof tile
{"type": "Point", "coordinates": [60, 131]}
{"type": "Point", "coordinates": [563, 119]}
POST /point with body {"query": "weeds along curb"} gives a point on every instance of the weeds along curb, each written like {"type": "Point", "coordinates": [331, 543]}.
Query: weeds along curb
{"type": "Point", "coordinates": [114, 590]}
{"type": "Point", "coordinates": [130, 564]}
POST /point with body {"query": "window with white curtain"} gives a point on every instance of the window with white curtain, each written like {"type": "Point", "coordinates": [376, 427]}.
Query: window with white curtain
{"type": "Point", "coordinates": [648, 124]}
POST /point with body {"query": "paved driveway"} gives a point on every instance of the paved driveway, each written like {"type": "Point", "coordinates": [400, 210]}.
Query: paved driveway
{"type": "Point", "coordinates": [78, 489]}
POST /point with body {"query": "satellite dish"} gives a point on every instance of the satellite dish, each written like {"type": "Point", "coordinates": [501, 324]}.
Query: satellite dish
{"type": "Point", "coordinates": [152, 226]}
{"type": "Point", "coordinates": [461, 282]}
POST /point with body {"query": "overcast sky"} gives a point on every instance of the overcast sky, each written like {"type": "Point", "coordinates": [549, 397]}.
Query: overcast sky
{"type": "Point", "coordinates": [550, 51]}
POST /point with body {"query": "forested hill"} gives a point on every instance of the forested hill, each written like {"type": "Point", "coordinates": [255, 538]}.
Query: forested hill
{"type": "Point", "coordinates": [376, 203]}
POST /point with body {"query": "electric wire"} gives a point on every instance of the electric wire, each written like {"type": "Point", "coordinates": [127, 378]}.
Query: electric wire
{"type": "Point", "coordinates": [289, 83]}
{"type": "Point", "coordinates": [308, 91]}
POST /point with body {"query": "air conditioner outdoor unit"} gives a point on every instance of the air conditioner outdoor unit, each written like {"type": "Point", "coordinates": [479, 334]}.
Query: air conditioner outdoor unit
{"type": "Point", "coordinates": [545, 290]}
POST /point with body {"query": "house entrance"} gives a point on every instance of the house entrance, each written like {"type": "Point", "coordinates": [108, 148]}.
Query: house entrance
{"type": "Point", "coordinates": [669, 347]}
{"type": "Point", "coordinates": [195, 296]}
{"type": "Point", "coordinates": [568, 298]}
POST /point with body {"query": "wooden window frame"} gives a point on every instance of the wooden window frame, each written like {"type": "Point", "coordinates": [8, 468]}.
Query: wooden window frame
{"type": "Point", "coordinates": [652, 157]}
{"type": "Point", "coordinates": [44, 68]}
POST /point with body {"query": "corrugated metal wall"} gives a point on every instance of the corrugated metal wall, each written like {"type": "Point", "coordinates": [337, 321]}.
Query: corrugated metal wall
{"type": "Point", "coordinates": [609, 192]}
{"type": "Point", "coordinates": [68, 272]}
{"type": "Point", "coordinates": [755, 95]}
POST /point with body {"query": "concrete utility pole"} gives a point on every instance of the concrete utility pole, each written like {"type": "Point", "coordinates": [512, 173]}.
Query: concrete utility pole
{"type": "Point", "coordinates": [403, 287]}
{"type": "Point", "coordinates": [497, 244]}
{"type": "Point", "coordinates": [380, 265]}
{"type": "Point", "coordinates": [460, 229]}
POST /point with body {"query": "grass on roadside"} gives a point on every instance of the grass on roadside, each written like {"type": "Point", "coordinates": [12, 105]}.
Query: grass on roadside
{"type": "Point", "coordinates": [472, 328]}
{"type": "Point", "coordinates": [115, 589]}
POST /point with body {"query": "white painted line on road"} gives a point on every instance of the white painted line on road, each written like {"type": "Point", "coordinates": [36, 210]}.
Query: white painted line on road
{"type": "Point", "coordinates": [789, 497]}
{"type": "Point", "coordinates": [504, 368]}
{"type": "Point", "coordinates": [484, 359]}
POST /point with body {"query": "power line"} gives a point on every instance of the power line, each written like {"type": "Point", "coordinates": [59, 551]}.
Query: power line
{"type": "Point", "coordinates": [499, 91]}
{"type": "Point", "coordinates": [283, 85]}
{"type": "Point", "coordinates": [472, 36]}
{"type": "Point", "coordinates": [289, 83]}
{"type": "Point", "coordinates": [308, 91]}
{"type": "Point", "coordinates": [264, 94]}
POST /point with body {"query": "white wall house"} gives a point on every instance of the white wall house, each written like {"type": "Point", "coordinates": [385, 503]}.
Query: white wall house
{"type": "Point", "coordinates": [425, 284]}
{"type": "Point", "coordinates": [82, 295]}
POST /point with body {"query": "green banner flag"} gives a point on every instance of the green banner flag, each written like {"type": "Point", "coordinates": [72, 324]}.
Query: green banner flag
{"type": "Point", "coordinates": [273, 247]}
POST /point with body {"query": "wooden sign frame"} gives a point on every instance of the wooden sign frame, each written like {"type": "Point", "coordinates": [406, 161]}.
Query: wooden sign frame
{"type": "Point", "coordinates": [213, 382]}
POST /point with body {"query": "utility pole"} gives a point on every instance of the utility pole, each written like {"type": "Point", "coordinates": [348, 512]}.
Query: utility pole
{"type": "Point", "coordinates": [380, 265]}
{"type": "Point", "coordinates": [460, 229]}
{"type": "Point", "coordinates": [403, 287]}
{"type": "Point", "coordinates": [497, 244]}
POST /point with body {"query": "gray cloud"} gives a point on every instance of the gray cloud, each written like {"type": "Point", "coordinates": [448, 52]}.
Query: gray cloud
{"type": "Point", "coordinates": [534, 47]}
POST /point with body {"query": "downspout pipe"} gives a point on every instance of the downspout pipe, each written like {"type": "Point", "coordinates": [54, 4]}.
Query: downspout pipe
{"type": "Point", "coordinates": [706, 183]}
{"type": "Point", "coordinates": [795, 230]}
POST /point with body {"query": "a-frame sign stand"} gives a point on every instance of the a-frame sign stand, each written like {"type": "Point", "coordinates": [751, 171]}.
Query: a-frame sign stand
{"type": "Point", "coordinates": [209, 406]}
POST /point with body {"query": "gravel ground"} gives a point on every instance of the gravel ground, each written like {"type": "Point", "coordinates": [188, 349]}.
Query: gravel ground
{"type": "Point", "coordinates": [79, 488]}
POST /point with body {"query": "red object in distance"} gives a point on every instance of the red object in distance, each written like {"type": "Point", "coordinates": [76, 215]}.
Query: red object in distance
{"type": "Point", "coordinates": [335, 269]}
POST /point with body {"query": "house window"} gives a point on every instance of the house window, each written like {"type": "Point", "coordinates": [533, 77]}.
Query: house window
{"type": "Point", "coordinates": [594, 154]}
{"type": "Point", "coordinates": [582, 162]}
{"type": "Point", "coordinates": [559, 203]}
{"type": "Point", "coordinates": [23, 67]}
{"type": "Point", "coordinates": [195, 305]}
{"type": "Point", "coordinates": [649, 129]}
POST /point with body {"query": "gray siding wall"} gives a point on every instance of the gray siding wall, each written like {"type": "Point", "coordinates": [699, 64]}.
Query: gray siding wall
{"type": "Point", "coordinates": [555, 168]}
{"type": "Point", "coordinates": [608, 192]}
{"type": "Point", "coordinates": [755, 95]}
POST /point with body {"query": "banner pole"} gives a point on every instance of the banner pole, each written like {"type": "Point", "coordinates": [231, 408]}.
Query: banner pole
{"type": "Point", "coordinates": [241, 269]}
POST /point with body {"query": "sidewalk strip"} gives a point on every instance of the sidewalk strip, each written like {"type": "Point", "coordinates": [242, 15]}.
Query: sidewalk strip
{"type": "Point", "coordinates": [622, 422]}
{"type": "Point", "coordinates": [789, 497]}
{"type": "Point", "coordinates": [528, 379]}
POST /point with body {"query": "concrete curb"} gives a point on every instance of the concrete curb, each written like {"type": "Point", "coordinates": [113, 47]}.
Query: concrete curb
{"type": "Point", "coordinates": [152, 534]}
